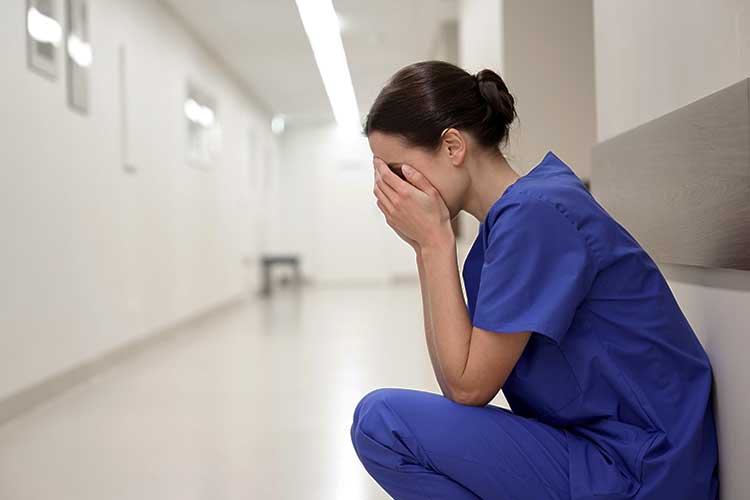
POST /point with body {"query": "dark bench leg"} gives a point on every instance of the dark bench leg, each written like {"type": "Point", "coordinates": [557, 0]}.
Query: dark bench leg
{"type": "Point", "coordinates": [297, 274]}
{"type": "Point", "coordinates": [266, 272]}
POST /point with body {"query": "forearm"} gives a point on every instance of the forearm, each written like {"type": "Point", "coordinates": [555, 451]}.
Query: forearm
{"type": "Point", "coordinates": [428, 330]}
{"type": "Point", "coordinates": [451, 325]}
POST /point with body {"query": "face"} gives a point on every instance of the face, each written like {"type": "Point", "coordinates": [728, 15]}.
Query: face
{"type": "Point", "coordinates": [444, 169]}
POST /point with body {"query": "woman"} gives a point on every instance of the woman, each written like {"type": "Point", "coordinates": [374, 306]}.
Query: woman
{"type": "Point", "coordinates": [567, 314]}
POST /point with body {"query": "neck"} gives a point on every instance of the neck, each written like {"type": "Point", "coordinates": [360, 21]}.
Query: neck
{"type": "Point", "coordinates": [490, 177]}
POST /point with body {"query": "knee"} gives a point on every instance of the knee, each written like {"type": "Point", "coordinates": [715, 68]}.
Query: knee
{"type": "Point", "coordinates": [371, 402]}
{"type": "Point", "coordinates": [367, 418]}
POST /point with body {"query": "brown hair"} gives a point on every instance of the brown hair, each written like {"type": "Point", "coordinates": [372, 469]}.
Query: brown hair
{"type": "Point", "coordinates": [422, 99]}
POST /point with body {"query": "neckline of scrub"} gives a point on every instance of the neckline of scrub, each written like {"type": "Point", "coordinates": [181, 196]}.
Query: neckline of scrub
{"type": "Point", "coordinates": [514, 183]}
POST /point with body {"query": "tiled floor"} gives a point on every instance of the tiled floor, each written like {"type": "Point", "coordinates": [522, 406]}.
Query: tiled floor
{"type": "Point", "coordinates": [253, 403]}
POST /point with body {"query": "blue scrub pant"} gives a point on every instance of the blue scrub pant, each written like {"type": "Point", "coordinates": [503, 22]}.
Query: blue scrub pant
{"type": "Point", "coordinates": [422, 445]}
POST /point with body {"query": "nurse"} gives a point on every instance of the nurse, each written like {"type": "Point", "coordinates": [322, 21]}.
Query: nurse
{"type": "Point", "coordinates": [609, 387]}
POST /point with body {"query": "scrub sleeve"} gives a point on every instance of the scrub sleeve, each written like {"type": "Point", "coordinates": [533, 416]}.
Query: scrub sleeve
{"type": "Point", "coordinates": [537, 269]}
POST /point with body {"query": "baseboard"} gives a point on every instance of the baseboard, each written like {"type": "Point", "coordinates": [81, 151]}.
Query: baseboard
{"type": "Point", "coordinates": [40, 392]}
{"type": "Point", "coordinates": [385, 280]}
{"type": "Point", "coordinates": [404, 278]}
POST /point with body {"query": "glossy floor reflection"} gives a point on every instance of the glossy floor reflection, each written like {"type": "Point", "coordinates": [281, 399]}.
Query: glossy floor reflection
{"type": "Point", "coordinates": [254, 402]}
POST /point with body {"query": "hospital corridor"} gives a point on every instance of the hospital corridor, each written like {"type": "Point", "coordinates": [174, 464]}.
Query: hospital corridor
{"type": "Point", "coordinates": [248, 402]}
{"type": "Point", "coordinates": [371, 250]}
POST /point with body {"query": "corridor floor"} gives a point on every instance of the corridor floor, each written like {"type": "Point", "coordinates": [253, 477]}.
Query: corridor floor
{"type": "Point", "coordinates": [252, 402]}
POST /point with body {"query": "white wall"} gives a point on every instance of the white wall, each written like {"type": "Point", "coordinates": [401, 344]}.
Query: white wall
{"type": "Point", "coordinates": [325, 210]}
{"type": "Point", "coordinates": [651, 58]}
{"type": "Point", "coordinates": [93, 257]}
{"type": "Point", "coordinates": [654, 57]}
{"type": "Point", "coordinates": [549, 68]}
{"type": "Point", "coordinates": [480, 35]}
{"type": "Point", "coordinates": [445, 46]}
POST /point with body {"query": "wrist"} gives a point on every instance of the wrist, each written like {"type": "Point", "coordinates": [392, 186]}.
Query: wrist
{"type": "Point", "coordinates": [440, 240]}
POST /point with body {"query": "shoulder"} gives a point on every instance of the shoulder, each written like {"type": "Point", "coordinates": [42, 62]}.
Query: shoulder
{"type": "Point", "coordinates": [532, 203]}
{"type": "Point", "coordinates": [552, 183]}
{"type": "Point", "coordinates": [538, 215]}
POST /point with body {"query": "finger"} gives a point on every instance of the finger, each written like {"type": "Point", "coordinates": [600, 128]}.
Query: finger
{"type": "Point", "coordinates": [390, 178]}
{"type": "Point", "coordinates": [418, 180]}
{"type": "Point", "coordinates": [385, 213]}
{"type": "Point", "coordinates": [381, 207]}
{"type": "Point", "coordinates": [390, 193]}
{"type": "Point", "coordinates": [382, 199]}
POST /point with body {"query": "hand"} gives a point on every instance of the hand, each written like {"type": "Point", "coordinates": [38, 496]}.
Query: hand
{"type": "Point", "coordinates": [413, 207]}
{"type": "Point", "coordinates": [412, 243]}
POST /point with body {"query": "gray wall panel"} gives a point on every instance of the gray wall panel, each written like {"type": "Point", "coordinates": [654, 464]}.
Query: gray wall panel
{"type": "Point", "coordinates": [680, 184]}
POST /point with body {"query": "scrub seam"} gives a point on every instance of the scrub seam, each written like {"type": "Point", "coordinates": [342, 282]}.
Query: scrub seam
{"type": "Point", "coordinates": [535, 329]}
{"type": "Point", "coordinates": [562, 210]}
{"type": "Point", "coordinates": [627, 381]}
{"type": "Point", "coordinates": [642, 452]}
{"type": "Point", "coordinates": [645, 446]}
{"type": "Point", "coordinates": [575, 376]}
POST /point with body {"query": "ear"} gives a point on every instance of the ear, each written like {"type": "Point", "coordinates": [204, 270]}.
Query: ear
{"type": "Point", "coordinates": [455, 145]}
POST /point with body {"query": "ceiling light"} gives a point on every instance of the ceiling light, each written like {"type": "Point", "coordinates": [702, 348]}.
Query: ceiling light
{"type": "Point", "coordinates": [322, 27]}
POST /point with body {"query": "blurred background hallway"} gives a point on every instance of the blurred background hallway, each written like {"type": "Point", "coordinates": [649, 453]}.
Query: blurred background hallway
{"type": "Point", "coordinates": [197, 285]}
{"type": "Point", "coordinates": [252, 401]}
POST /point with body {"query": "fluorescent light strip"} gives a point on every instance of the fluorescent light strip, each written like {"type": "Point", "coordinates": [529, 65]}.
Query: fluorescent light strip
{"type": "Point", "coordinates": [322, 28]}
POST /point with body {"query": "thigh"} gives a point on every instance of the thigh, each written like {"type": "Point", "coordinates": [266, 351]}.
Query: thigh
{"type": "Point", "coordinates": [489, 450]}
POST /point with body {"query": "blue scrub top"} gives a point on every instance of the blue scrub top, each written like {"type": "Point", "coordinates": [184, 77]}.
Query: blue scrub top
{"type": "Point", "coordinates": [612, 359]}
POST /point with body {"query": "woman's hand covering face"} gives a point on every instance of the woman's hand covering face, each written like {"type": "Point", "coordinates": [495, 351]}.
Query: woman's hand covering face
{"type": "Point", "coordinates": [412, 206]}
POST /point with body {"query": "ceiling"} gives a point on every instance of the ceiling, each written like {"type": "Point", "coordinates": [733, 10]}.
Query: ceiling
{"type": "Point", "coordinates": [264, 45]}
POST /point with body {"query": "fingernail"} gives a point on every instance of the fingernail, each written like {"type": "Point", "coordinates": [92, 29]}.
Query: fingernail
{"type": "Point", "coordinates": [406, 169]}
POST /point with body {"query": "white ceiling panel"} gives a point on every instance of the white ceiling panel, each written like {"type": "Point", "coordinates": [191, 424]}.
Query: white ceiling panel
{"type": "Point", "coordinates": [264, 44]}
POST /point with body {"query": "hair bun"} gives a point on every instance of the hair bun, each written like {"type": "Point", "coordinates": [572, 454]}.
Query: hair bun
{"type": "Point", "coordinates": [494, 91]}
